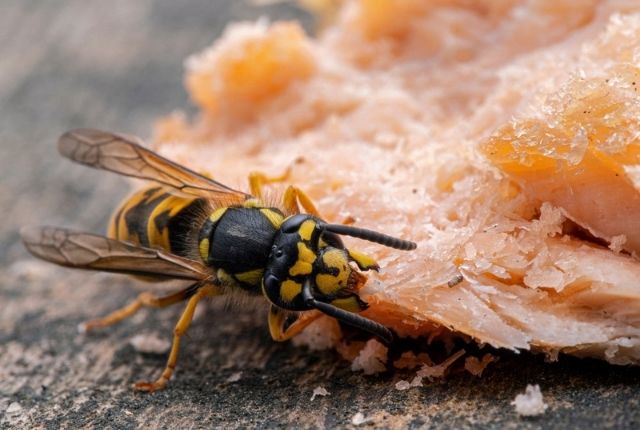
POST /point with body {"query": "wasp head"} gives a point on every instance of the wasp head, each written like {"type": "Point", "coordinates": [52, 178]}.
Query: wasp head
{"type": "Point", "coordinates": [308, 251]}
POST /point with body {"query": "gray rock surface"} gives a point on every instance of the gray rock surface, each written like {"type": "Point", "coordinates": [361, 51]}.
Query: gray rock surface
{"type": "Point", "coordinates": [117, 65]}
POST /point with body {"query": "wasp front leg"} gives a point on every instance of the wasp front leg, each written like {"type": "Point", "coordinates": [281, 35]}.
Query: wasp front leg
{"type": "Point", "coordinates": [181, 327]}
{"type": "Point", "coordinates": [283, 324]}
{"type": "Point", "coordinates": [257, 180]}
{"type": "Point", "coordinates": [294, 197]}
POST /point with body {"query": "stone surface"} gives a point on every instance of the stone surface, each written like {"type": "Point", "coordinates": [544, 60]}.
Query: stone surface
{"type": "Point", "coordinates": [117, 66]}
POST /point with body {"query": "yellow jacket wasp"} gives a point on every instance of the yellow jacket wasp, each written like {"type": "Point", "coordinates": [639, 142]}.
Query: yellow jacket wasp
{"type": "Point", "coordinates": [193, 228]}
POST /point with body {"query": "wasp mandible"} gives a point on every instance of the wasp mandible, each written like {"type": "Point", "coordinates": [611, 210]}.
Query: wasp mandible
{"type": "Point", "coordinates": [190, 227]}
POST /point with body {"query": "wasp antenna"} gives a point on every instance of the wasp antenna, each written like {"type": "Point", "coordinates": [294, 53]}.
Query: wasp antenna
{"type": "Point", "coordinates": [371, 236]}
{"type": "Point", "coordinates": [352, 319]}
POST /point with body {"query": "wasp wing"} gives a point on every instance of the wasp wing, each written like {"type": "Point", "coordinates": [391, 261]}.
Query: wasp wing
{"type": "Point", "coordinates": [126, 155]}
{"type": "Point", "coordinates": [93, 252]}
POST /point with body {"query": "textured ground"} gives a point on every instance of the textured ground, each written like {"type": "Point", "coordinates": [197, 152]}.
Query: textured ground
{"type": "Point", "coordinates": [70, 64]}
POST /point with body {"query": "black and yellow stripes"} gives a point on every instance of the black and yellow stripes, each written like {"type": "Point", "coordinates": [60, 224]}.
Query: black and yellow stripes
{"type": "Point", "coordinates": [239, 243]}
{"type": "Point", "coordinates": [334, 271]}
{"type": "Point", "coordinates": [157, 218]}
{"type": "Point", "coordinates": [224, 240]}
{"type": "Point", "coordinates": [207, 228]}
{"type": "Point", "coordinates": [234, 240]}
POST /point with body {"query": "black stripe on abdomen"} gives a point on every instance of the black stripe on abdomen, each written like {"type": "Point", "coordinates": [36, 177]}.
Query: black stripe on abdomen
{"type": "Point", "coordinates": [137, 217]}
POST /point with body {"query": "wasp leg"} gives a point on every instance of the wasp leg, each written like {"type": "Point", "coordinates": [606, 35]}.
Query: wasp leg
{"type": "Point", "coordinates": [181, 327]}
{"type": "Point", "coordinates": [258, 179]}
{"type": "Point", "coordinates": [293, 196]}
{"type": "Point", "coordinates": [283, 324]}
{"type": "Point", "coordinates": [144, 299]}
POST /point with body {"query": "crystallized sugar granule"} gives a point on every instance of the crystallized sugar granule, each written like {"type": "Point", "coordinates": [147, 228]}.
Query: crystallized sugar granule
{"type": "Point", "coordinates": [150, 343]}
{"type": "Point", "coordinates": [371, 359]}
{"type": "Point", "coordinates": [530, 403]}
{"type": "Point", "coordinates": [319, 391]}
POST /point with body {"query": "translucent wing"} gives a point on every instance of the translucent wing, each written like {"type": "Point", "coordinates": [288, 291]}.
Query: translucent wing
{"type": "Point", "coordinates": [93, 252]}
{"type": "Point", "coordinates": [126, 156]}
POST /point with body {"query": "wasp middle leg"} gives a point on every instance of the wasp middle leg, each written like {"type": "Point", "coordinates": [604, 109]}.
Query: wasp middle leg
{"type": "Point", "coordinates": [145, 299]}
{"type": "Point", "coordinates": [182, 326]}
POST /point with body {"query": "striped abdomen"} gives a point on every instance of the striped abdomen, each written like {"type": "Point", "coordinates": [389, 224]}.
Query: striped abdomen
{"type": "Point", "coordinates": [156, 218]}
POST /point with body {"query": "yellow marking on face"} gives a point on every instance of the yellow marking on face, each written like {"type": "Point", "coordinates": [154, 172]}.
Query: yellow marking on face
{"type": "Point", "coordinates": [217, 214]}
{"type": "Point", "coordinates": [203, 247]}
{"type": "Point", "coordinates": [349, 304]}
{"type": "Point", "coordinates": [328, 284]}
{"type": "Point", "coordinates": [305, 254]}
{"type": "Point", "coordinates": [363, 261]}
{"type": "Point", "coordinates": [337, 260]}
{"type": "Point", "coordinates": [304, 263]}
{"type": "Point", "coordinates": [274, 217]}
{"type": "Point", "coordinates": [300, 268]}
{"type": "Point", "coordinates": [252, 277]}
{"type": "Point", "coordinates": [306, 229]}
{"type": "Point", "coordinates": [289, 290]}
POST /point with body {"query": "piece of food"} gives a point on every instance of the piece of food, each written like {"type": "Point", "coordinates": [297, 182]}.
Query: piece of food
{"type": "Point", "coordinates": [501, 136]}
{"type": "Point", "coordinates": [530, 403]}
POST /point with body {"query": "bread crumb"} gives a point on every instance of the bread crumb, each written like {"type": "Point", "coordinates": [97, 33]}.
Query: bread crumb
{"type": "Point", "coordinates": [408, 360]}
{"type": "Point", "coordinates": [14, 408]}
{"type": "Point", "coordinates": [530, 403]}
{"type": "Point", "coordinates": [234, 377]}
{"type": "Point", "coordinates": [150, 344]}
{"type": "Point", "coordinates": [15, 416]}
{"type": "Point", "coordinates": [359, 418]}
{"type": "Point", "coordinates": [439, 370]}
{"type": "Point", "coordinates": [475, 366]}
{"type": "Point", "coordinates": [319, 391]}
{"type": "Point", "coordinates": [403, 385]}
{"type": "Point", "coordinates": [371, 359]}
{"type": "Point", "coordinates": [617, 243]}
{"type": "Point", "coordinates": [428, 371]}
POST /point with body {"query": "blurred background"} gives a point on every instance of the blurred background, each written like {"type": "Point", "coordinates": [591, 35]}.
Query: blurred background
{"type": "Point", "coordinates": [114, 65]}
{"type": "Point", "coordinates": [117, 65]}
